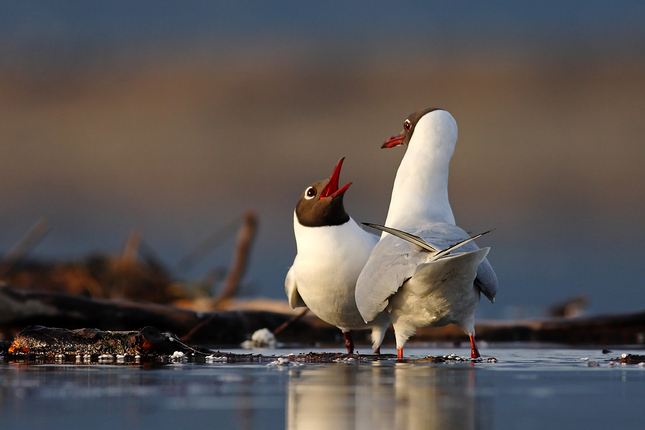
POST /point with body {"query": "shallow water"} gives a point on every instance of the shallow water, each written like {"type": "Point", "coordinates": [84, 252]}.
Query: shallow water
{"type": "Point", "coordinates": [524, 389]}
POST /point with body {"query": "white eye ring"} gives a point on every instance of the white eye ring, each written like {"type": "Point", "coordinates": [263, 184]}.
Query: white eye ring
{"type": "Point", "coordinates": [407, 125]}
{"type": "Point", "coordinates": [310, 193]}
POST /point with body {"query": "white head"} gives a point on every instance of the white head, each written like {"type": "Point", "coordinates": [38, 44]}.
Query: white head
{"type": "Point", "coordinates": [420, 190]}
{"type": "Point", "coordinates": [429, 129]}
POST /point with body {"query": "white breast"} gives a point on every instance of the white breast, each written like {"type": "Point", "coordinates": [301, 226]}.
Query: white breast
{"type": "Point", "coordinates": [420, 190]}
{"type": "Point", "coordinates": [326, 268]}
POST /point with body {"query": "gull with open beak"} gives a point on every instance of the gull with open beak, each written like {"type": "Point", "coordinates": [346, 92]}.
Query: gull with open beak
{"type": "Point", "coordinates": [331, 252]}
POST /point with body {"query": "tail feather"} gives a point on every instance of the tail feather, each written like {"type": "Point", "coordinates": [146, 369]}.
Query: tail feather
{"type": "Point", "coordinates": [416, 240]}
{"type": "Point", "coordinates": [458, 244]}
{"type": "Point", "coordinates": [403, 235]}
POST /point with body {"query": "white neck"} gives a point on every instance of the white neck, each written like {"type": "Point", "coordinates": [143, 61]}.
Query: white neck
{"type": "Point", "coordinates": [420, 191]}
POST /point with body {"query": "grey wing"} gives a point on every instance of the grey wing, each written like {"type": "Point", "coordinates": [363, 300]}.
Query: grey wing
{"type": "Point", "coordinates": [448, 272]}
{"type": "Point", "coordinates": [291, 288]}
{"type": "Point", "coordinates": [391, 263]}
{"type": "Point", "coordinates": [486, 280]}
{"type": "Point", "coordinates": [444, 235]}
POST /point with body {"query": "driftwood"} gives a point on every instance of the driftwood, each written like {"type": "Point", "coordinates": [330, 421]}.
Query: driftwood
{"type": "Point", "coordinates": [612, 329]}
{"type": "Point", "coordinates": [19, 309]}
{"type": "Point", "coordinates": [22, 248]}
{"type": "Point", "coordinates": [145, 344]}
{"type": "Point", "coordinates": [97, 276]}
{"type": "Point", "coordinates": [92, 346]}
{"type": "Point", "coordinates": [616, 329]}
{"type": "Point", "coordinates": [135, 274]}
{"type": "Point", "coordinates": [291, 320]}
{"type": "Point", "coordinates": [208, 245]}
{"type": "Point", "coordinates": [631, 359]}
{"type": "Point", "coordinates": [240, 258]}
{"type": "Point", "coordinates": [235, 272]}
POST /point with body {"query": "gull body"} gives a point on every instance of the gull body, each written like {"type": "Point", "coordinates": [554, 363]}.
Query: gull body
{"type": "Point", "coordinates": [331, 252]}
{"type": "Point", "coordinates": [402, 278]}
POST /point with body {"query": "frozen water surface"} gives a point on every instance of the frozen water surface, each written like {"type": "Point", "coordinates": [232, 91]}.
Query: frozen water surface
{"type": "Point", "coordinates": [525, 389]}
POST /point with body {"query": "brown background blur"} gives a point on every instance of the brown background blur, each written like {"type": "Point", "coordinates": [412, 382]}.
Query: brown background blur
{"type": "Point", "coordinates": [178, 134]}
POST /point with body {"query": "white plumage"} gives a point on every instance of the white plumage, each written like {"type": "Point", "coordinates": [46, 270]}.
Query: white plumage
{"type": "Point", "coordinates": [400, 277]}
{"type": "Point", "coordinates": [324, 272]}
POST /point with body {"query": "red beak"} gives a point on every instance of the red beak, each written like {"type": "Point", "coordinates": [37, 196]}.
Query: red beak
{"type": "Point", "coordinates": [331, 190]}
{"type": "Point", "coordinates": [393, 141]}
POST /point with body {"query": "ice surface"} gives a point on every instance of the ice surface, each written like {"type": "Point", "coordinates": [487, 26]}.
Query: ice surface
{"type": "Point", "coordinates": [510, 388]}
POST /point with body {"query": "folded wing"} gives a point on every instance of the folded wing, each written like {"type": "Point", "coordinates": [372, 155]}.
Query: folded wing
{"type": "Point", "coordinates": [291, 288]}
{"type": "Point", "coordinates": [397, 255]}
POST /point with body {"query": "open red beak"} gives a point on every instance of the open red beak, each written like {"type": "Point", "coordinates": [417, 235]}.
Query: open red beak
{"type": "Point", "coordinates": [393, 141]}
{"type": "Point", "coordinates": [331, 190]}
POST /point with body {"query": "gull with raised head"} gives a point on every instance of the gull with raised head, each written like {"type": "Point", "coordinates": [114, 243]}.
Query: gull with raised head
{"type": "Point", "coordinates": [424, 271]}
{"type": "Point", "coordinates": [331, 252]}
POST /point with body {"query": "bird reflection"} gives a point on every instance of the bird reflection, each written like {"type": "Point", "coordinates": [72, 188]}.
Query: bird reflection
{"type": "Point", "coordinates": [389, 397]}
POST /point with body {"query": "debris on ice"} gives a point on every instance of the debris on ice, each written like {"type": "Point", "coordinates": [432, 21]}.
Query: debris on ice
{"type": "Point", "coordinates": [262, 338]}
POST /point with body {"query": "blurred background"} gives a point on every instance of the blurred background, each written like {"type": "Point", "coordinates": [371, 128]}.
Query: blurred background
{"type": "Point", "coordinates": [174, 118]}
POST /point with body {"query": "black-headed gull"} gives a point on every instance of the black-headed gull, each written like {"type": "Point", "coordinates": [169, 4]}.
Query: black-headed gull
{"type": "Point", "coordinates": [405, 278]}
{"type": "Point", "coordinates": [331, 252]}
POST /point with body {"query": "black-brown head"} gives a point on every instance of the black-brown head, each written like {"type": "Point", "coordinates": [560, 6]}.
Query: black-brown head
{"type": "Point", "coordinates": [321, 204]}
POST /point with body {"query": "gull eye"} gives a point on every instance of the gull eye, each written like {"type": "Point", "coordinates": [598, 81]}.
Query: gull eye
{"type": "Point", "coordinates": [407, 125]}
{"type": "Point", "coordinates": [310, 193]}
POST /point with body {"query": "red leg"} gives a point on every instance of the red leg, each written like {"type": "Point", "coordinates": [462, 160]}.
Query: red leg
{"type": "Point", "coordinates": [377, 351]}
{"type": "Point", "coordinates": [349, 342]}
{"type": "Point", "coordinates": [474, 352]}
{"type": "Point", "coordinates": [399, 353]}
